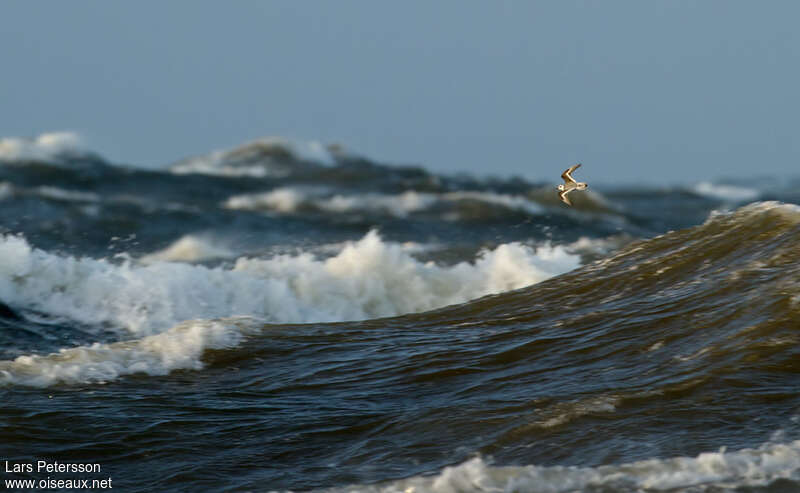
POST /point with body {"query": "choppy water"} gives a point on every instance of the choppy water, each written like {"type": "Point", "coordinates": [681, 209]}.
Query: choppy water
{"type": "Point", "coordinates": [293, 317]}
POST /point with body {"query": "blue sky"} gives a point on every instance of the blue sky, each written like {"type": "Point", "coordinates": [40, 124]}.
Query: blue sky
{"type": "Point", "coordinates": [662, 91]}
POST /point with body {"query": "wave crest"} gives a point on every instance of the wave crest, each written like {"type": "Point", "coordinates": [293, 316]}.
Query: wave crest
{"type": "Point", "coordinates": [369, 278]}
{"type": "Point", "coordinates": [53, 147]}
{"type": "Point", "coordinates": [708, 471]}
{"type": "Point", "coordinates": [289, 200]}
{"type": "Point", "coordinates": [179, 348]}
{"type": "Point", "coordinates": [272, 157]}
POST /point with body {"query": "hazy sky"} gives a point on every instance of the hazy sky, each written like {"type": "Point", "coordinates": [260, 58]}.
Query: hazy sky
{"type": "Point", "coordinates": [663, 90]}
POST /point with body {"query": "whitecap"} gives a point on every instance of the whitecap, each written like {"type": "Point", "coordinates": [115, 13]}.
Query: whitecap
{"type": "Point", "coordinates": [368, 278]}
{"type": "Point", "coordinates": [188, 248]}
{"type": "Point", "coordinates": [179, 348]}
{"type": "Point", "coordinates": [272, 157]}
{"type": "Point", "coordinates": [7, 190]}
{"type": "Point", "coordinates": [45, 147]}
{"type": "Point", "coordinates": [730, 193]}
{"type": "Point", "coordinates": [56, 193]}
{"type": "Point", "coordinates": [708, 471]}
{"type": "Point", "coordinates": [291, 199]}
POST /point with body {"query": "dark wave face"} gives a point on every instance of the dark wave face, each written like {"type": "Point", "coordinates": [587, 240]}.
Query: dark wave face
{"type": "Point", "coordinates": [266, 319]}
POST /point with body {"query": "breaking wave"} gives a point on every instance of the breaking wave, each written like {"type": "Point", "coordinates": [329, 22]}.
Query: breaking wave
{"type": "Point", "coordinates": [51, 147]}
{"type": "Point", "coordinates": [371, 278]}
{"type": "Point", "coordinates": [273, 157]}
{"type": "Point", "coordinates": [179, 348]}
{"type": "Point", "coordinates": [189, 248]}
{"type": "Point", "coordinates": [708, 472]}
{"type": "Point", "coordinates": [293, 199]}
{"type": "Point", "coordinates": [367, 279]}
{"type": "Point", "coordinates": [729, 193]}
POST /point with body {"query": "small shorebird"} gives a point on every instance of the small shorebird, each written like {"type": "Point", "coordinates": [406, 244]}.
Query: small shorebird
{"type": "Point", "coordinates": [570, 184]}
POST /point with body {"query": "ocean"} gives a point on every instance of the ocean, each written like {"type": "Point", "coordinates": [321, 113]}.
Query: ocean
{"type": "Point", "coordinates": [288, 316]}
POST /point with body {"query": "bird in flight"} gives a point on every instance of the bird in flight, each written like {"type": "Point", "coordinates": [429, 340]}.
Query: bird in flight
{"type": "Point", "coordinates": [570, 184]}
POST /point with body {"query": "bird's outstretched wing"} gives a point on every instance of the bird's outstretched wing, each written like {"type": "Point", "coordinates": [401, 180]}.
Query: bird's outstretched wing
{"type": "Point", "coordinates": [567, 175]}
{"type": "Point", "coordinates": [563, 196]}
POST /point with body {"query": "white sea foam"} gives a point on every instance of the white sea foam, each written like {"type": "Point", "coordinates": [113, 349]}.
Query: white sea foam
{"type": "Point", "coordinates": [730, 193]}
{"type": "Point", "coordinates": [212, 165]}
{"type": "Point", "coordinates": [179, 348]}
{"type": "Point", "coordinates": [400, 205]}
{"type": "Point", "coordinates": [789, 211]}
{"type": "Point", "coordinates": [45, 147]}
{"type": "Point", "coordinates": [711, 471]}
{"type": "Point", "coordinates": [6, 190]}
{"type": "Point", "coordinates": [291, 199]}
{"type": "Point", "coordinates": [253, 158]}
{"type": "Point", "coordinates": [366, 279]}
{"type": "Point", "coordinates": [65, 195]}
{"type": "Point", "coordinates": [283, 199]}
{"type": "Point", "coordinates": [598, 246]}
{"type": "Point", "coordinates": [312, 150]}
{"type": "Point", "coordinates": [188, 248]}
{"type": "Point", "coordinates": [410, 247]}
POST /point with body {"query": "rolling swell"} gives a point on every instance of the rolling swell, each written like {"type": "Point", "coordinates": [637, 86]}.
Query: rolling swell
{"type": "Point", "coordinates": [673, 347]}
